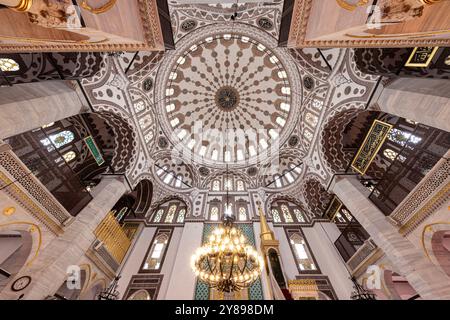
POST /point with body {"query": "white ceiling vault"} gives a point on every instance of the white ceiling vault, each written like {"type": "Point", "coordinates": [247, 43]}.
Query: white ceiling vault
{"type": "Point", "coordinates": [228, 75]}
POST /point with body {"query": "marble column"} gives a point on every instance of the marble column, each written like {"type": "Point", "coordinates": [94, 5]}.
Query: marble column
{"type": "Point", "coordinates": [28, 106]}
{"type": "Point", "coordinates": [50, 269]}
{"type": "Point", "coordinates": [426, 278]}
{"type": "Point", "coordinates": [182, 279]}
{"type": "Point", "coordinates": [426, 101]}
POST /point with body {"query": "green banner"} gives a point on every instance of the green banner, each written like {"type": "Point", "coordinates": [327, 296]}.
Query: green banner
{"type": "Point", "coordinates": [94, 150]}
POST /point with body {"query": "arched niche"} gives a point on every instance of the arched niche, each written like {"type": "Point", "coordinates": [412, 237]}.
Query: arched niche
{"type": "Point", "coordinates": [15, 250]}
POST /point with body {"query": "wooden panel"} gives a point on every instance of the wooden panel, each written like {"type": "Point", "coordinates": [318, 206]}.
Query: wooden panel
{"type": "Point", "coordinates": [123, 20]}
{"type": "Point", "coordinates": [336, 18]}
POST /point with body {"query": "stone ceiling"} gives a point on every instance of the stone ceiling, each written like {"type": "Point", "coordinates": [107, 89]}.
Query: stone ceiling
{"type": "Point", "coordinates": [225, 96]}
{"type": "Point", "coordinates": [199, 81]}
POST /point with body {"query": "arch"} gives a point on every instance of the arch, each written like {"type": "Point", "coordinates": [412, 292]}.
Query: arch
{"type": "Point", "coordinates": [144, 196]}
{"type": "Point", "coordinates": [342, 135]}
{"type": "Point", "coordinates": [440, 244]}
{"type": "Point", "coordinates": [141, 294]}
{"type": "Point", "coordinates": [37, 66]}
{"type": "Point", "coordinates": [124, 139]}
{"type": "Point", "coordinates": [397, 287]}
{"type": "Point", "coordinates": [316, 196]}
{"type": "Point", "coordinates": [91, 293]}
{"type": "Point", "coordinates": [174, 172]}
{"type": "Point", "coordinates": [161, 209]}
{"type": "Point", "coordinates": [16, 247]}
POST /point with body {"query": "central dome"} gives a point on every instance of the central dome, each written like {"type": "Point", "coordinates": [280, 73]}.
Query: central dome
{"type": "Point", "coordinates": [227, 98]}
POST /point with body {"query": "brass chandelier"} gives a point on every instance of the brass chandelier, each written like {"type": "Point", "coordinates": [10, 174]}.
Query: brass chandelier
{"type": "Point", "coordinates": [227, 262]}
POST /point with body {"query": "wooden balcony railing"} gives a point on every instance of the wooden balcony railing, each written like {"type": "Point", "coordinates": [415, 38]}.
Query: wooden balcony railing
{"type": "Point", "coordinates": [114, 239]}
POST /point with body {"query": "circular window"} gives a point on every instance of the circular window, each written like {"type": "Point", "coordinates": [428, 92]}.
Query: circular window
{"type": "Point", "coordinates": [188, 25]}
{"type": "Point", "coordinates": [308, 82]}
{"type": "Point", "coordinates": [252, 171]}
{"type": "Point", "coordinates": [293, 141]}
{"type": "Point", "coordinates": [162, 142]}
{"type": "Point", "coordinates": [147, 85]}
{"type": "Point", "coordinates": [265, 23]}
{"type": "Point", "coordinates": [203, 171]}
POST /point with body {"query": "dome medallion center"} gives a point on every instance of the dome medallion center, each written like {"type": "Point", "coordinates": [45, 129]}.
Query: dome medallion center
{"type": "Point", "coordinates": [227, 98]}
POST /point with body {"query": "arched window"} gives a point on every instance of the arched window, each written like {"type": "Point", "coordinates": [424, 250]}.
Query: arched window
{"type": "Point", "coordinates": [347, 214]}
{"type": "Point", "coordinates": [242, 214]}
{"type": "Point", "coordinates": [228, 184]}
{"type": "Point", "coordinates": [401, 137]}
{"type": "Point", "coordinates": [339, 217]}
{"type": "Point", "coordinates": [302, 255]}
{"type": "Point", "coordinates": [8, 65]}
{"type": "Point", "coordinates": [276, 215]}
{"type": "Point", "coordinates": [181, 215]}
{"type": "Point", "coordinates": [171, 213]}
{"type": "Point", "coordinates": [216, 185]}
{"type": "Point", "coordinates": [240, 185]}
{"type": "Point", "coordinates": [178, 181]}
{"type": "Point", "coordinates": [59, 139]}
{"type": "Point", "coordinates": [228, 209]}
{"type": "Point", "coordinates": [158, 215]}
{"type": "Point", "coordinates": [214, 214]}
{"type": "Point", "coordinates": [278, 183]}
{"type": "Point", "coordinates": [299, 215]}
{"type": "Point", "coordinates": [153, 261]}
{"type": "Point", "coordinates": [286, 214]}
{"type": "Point", "coordinates": [69, 156]}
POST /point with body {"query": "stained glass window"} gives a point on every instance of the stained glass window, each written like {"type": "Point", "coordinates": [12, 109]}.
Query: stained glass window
{"type": "Point", "coordinates": [59, 139]}
{"type": "Point", "coordinates": [216, 185]}
{"type": "Point", "coordinates": [158, 215]}
{"type": "Point", "coordinates": [181, 215]}
{"type": "Point", "coordinates": [228, 184]}
{"type": "Point", "coordinates": [347, 214]}
{"type": "Point", "coordinates": [286, 214]}
{"type": "Point", "coordinates": [153, 261]}
{"type": "Point", "coordinates": [299, 215]}
{"type": "Point", "coordinates": [240, 185]}
{"type": "Point", "coordinates": [242, 214]}
{"type": "Point", "coordinates": [69, 156]}
{"type": "Point", "coordinates": [401, 137]}
{"type": "Point", "coordinates": [214, 214]}
{"type": "Point", "coordinates": [276, 215]}
{"type": "Point", "coordinates": [171, 213]}
{"type": "Point", "coordinates": [311, 119]}
{"type": "Point", "coordinates": [8, 65]}
{"type": "Point", "coordinates": [301, 253]}
{"type": "Point", "coordinates": [339, 217]}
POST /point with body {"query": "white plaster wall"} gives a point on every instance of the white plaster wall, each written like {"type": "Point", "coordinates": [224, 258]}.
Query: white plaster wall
{"type": "Point", "coordinates": [169, 261]}
{"type": "Point", "coordinates": [320, 239]}
{"type": "Point", "coordinates": [135, 258]}
{"type": "Point", "coordinates": [182, 282]}
{"type": "Point", "coordinates": [287, 259]}
{"type": "Point", "coordinates": [442, 214]}
{"type": "Point", "coordinates": [9, 245]}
